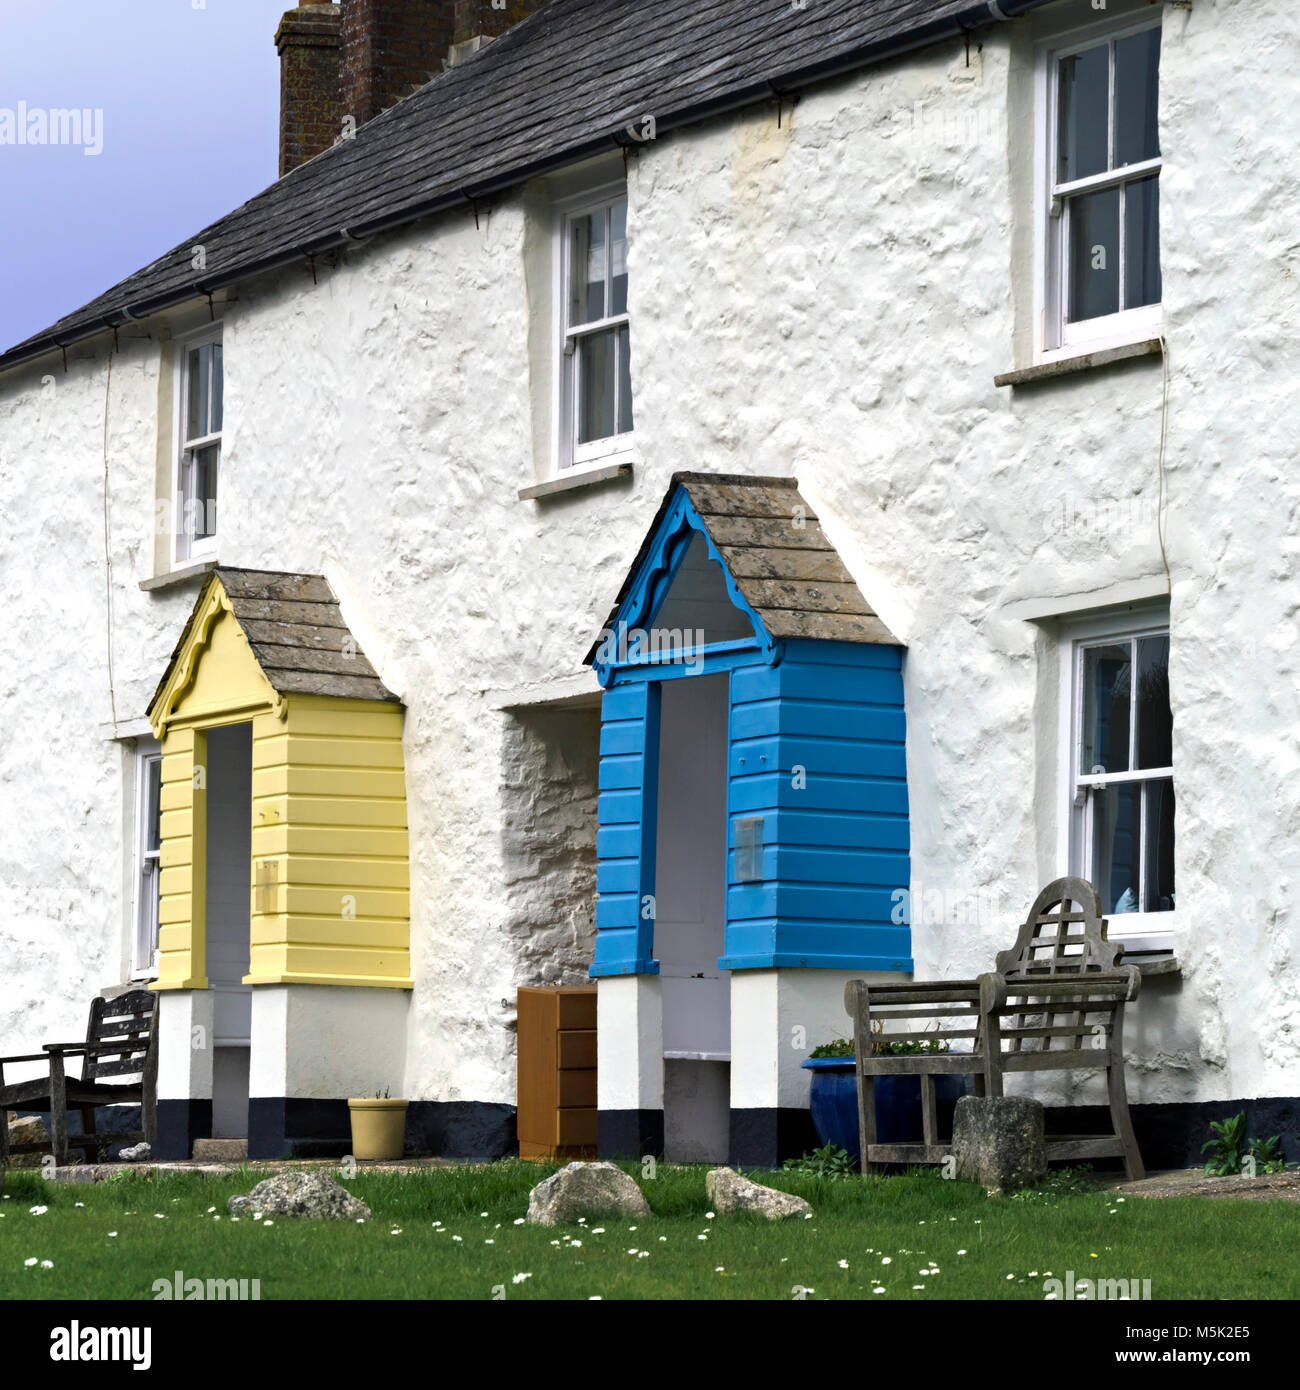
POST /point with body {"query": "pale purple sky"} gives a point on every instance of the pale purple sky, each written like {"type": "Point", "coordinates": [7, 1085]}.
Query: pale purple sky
{"type": "Point", "coordinates": [189, 91]}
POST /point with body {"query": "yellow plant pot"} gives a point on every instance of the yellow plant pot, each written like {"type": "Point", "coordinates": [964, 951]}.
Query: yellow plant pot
{"type": "Point", "coordinates": [378, 1128]}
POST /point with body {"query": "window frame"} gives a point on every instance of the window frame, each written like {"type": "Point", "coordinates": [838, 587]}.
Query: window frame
{"type": "Point", "coordinates": [146, 866]}
{"type": "Point", "coordinates": [185, 548]}
{"type": "Point", "coordinates": [1055, 338]}
{"type": "Point", "coordinates": [1139, 931]}
{"type": "Point", "coordinates": [569, 458]}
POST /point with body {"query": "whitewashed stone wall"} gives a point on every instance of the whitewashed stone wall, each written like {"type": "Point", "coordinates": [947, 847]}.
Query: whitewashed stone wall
{"type": "Point", "coordinates": [829, 299]}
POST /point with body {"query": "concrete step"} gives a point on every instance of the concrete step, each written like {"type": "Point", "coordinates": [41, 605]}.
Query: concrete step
{"type": "Point", "coordinates": [220, 1150]}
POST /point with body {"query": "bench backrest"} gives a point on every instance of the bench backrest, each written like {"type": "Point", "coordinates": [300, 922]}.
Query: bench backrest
{"type": "Point", "coordinates": [1064, 934]}
{"type": "Point", "coordinates": [131, 1020]}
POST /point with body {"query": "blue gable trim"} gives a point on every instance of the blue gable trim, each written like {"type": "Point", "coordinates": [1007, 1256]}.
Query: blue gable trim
{"type": "Point", "coordinates": [665, 550]}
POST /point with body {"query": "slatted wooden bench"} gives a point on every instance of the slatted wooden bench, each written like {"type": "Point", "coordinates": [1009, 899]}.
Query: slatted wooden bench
{"type": "Point", "coordinates": [121, 1041]}
{"type": "Point", "coordinates": [1054, 1002]}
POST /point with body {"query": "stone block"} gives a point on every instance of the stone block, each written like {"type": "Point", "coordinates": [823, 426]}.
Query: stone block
{"type": "Point", "coordinates": [998, 1141]}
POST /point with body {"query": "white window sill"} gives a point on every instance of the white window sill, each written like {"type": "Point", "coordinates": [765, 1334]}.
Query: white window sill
{"type": "Point", "coordinates": [579, 477]}
{"type": "Point", "coordinates": [1148, 940]}
{"type": "Point", "coordinates": [1079, 362]}
{"type": "Point", "coordinates": [196, 569]}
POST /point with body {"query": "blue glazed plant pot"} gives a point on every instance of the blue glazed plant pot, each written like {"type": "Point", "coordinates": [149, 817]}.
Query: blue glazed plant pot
{"type": "Point", "coordinates": [833, 1102]}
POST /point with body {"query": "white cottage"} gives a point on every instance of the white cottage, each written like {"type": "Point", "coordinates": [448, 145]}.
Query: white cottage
{"type": "Point", "coordinates": [917, 383]}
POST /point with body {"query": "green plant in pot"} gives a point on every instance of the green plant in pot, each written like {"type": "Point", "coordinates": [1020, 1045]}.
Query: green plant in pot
{"type": "Point", "coordinates": [833, 1093]}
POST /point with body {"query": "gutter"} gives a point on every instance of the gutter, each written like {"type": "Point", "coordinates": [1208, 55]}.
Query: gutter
{"type": "Point", "coordinates": [978, 15]}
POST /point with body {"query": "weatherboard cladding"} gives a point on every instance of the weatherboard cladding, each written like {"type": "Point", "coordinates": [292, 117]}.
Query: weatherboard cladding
{"type": "Point", "coordinates": [296, 631]}
{"type": "Point", "coordinates": [774, 547]}
{"type": "Point", "coordinates": [816, 750]}
{"type": "Point", "coordinates": [561, 86]}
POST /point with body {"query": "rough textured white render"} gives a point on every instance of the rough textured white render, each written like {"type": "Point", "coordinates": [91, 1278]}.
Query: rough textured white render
{"type": "Point", "coordinates": [777, 1018]}
{"type": "Point", "coordinates": [828, 298]}
{"type": "Point", "coordinates": [327, 1041]}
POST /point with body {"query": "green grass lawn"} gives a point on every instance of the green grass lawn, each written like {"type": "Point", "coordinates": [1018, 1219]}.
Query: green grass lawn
{"type": "Point", "coordinates": [451, 1233]}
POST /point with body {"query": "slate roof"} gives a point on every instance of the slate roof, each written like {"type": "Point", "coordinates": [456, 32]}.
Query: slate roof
{"type": "Point", "coordinates": [296, 630]}
{"type": "Point", "coordinates": [563, 85]}
{"type": "Point", "coordinates": [791, 575]}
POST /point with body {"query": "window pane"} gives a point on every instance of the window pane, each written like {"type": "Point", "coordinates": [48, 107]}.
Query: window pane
{"type": "Point", "coordinates": [1142, 243]}
{"type": "Point", "coordinates": [618, 258]}
{"type": "Point", "coordinates": [1159, 831]}
{"type": "Point", "coordinates": [218, 389]}
{"type": "Point", "coordinates": [1094, 255]}
{"type": "Point", "coordinates": [1115, 846]}
{"type": "Point", "coordinates": [152, 810]}
{"type": "Point", "coordinates": [146, 946]}
{"type": "Point", "coordinates": [197, 406]}
{"type": "Point", "coordinates": [587, 251]}
{"type": "Point", "coordinates": [1084, 114]}
{"type": "Point", "coordinates": [201, 502]}
{"type": "Point", "coordinates": [1137, 128]}
{"type": "Point", "coordinates": [624, 381]}
{"type": "Point", "coordinates": [1155, 722]}
{"type": "Point", "coordinates": [596, 368]}
{"type": "Point", "coordinates": [1107, 679]}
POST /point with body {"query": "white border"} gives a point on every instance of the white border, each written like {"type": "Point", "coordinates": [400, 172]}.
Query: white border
{"type": "Point", "coordinates": [145, 750]}
{"type": "Point", "coordinates": [1139, 931]}
{"type": "Point", "coordinates": [205, 549]}
{"type": "Point", "coordinates": [1053, 339]}
{"type": "Point", "coordinates": [618, 448]}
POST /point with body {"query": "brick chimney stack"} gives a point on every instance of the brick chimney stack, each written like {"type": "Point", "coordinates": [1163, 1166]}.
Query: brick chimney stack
{"type": "Point", "coordinates": [308, 42]}
{"type": "Point", "coordinates": [359, 57]}
{"type": "Point", "coordinates": [389, 48]}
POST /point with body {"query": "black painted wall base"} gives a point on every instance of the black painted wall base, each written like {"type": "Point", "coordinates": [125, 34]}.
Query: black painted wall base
{"type": "Point", "coordinates": [298, 1127]}
{"type": "Point", "coordinates": [1171, 1135]}
{"type": "Point", "coordinates": [289, 1127]}
{"type": "Point", "coordinates": [765, 1138]}
{"type": "Point", "coordinates": [461, 1128]}
{"type": "Point", "coordinates": [180, 1123]}
{"type": "Point", "coordinates": [630, 1133]}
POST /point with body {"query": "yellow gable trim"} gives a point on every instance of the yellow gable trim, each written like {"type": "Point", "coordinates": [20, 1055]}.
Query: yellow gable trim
{"type": "Point", "coordinates": [207, 692]}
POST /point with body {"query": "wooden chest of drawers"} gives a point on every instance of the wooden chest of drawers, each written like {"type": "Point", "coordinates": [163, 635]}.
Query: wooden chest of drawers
{"type": "Point", "coordinates": [557, 1072]}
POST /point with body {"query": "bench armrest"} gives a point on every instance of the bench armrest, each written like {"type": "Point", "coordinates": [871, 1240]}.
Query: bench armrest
{"type": "Point", "coordinates": [27, 1057]}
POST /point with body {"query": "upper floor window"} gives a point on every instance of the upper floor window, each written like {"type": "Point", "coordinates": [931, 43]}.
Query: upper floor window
{"type": "Point", "coordinates": [1100, 203]}
{"type": "Point", "coordinates": [148, 847]}
{"type": "Point", "coordinates": [1120, 771]}
{"type": "Point", "coordinates": [595, 380]}
{"type": "Point", "coordinates": [198, 445]}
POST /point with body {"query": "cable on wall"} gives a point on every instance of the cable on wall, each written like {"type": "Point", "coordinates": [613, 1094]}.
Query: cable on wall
{"type": "Point", "coordinates": [1160, 465]}
{"type": "Point", "coordinates": [108, 551]}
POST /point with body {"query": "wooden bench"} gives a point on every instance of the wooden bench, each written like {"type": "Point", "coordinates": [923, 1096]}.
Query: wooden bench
{"type": "Point", "coordinates": [1054, 1002]}
{"type": "Point", "coordinates": [121, 1041]}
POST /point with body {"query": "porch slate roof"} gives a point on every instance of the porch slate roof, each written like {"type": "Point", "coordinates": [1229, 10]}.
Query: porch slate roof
{"type": "Point", "coordinates": [562, 86]}
{"type": "Point", "coordinates": [296, 631]}
{"type": "Point", "coordinates": [780, 558]}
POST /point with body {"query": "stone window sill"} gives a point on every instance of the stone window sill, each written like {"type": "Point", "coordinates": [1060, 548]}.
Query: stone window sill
{"type": "Point", "coordinates": [587, 477]}
{"type": "Point", "coordinates": [178, 576]}
{"type": "Point", "coordinates": [1084, 362]}
{"type": "Point", "coordinates": [1154, 963]}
